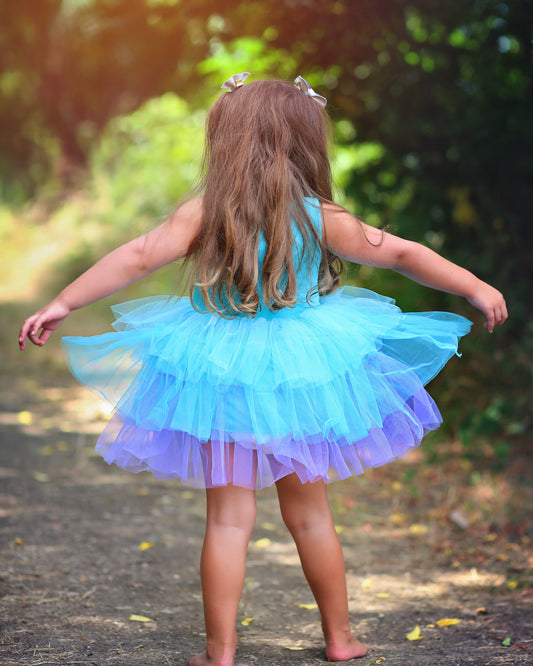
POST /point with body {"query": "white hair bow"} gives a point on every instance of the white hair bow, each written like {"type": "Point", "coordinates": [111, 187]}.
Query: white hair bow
{"type": "Point", "coordinates": [235, 81]}
{"type": "Point", "coordinates": [301, 83]}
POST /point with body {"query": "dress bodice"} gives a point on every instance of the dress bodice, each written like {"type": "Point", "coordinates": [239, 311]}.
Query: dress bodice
{"type": "Point", "coordinates": [307, 267]}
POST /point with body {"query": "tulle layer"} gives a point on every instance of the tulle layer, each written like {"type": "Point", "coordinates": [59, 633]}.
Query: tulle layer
{"type": "Point", "coordinates": [325, 391]}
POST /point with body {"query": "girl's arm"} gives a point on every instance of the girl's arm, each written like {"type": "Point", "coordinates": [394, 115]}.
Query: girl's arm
{"type": "Point", "coordinates": [118, 269]}
{"type": "Point", "coordinates": [360, 243]}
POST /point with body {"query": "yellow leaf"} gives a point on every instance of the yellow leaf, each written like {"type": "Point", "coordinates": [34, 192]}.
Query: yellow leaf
{"type": "Point", "coordinates": [268, 526]}
{"type": "Point", "coordinates": [25, 418]}
{"type": "Point", "coordinates": [418, 529]}
{"type": "Point", "coordinates": [380, 659]}
{"type": "Point", "coordinates": [142, 492]}
{"type": "Point", "coordinates": [383, 595]}
{"type": "Point", "coordinates": [398, 519]}
{"type": "Point", "coordinates": [292, 647]}
{"type": "Point", "coordinates": [447, 621]}
{"type": "Point", "coordinates": [414, 635]}
{"type": "Point", "coordinates": [146, 545]}
{"type": "Point", "coordinates": [263, 543]}
{"type": "Point", "coordinates": [339, 529]}
{"type": "Point", "coordinates": [512, 584]}
{"type": "Point", "coordinates": [308, 606]}
{"type": "Point", "coordinates": [47, 450]}
{"type": "Point", "coordinates": [366, 583]}
{"type": "Point", "coordinates": [247, 621]}
{"type": "Point", "coordinates": [41, 477]}
{"type": "Point", "coordinates": [139, 618]}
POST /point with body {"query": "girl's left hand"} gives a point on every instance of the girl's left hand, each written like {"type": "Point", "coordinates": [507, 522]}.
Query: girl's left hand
{"type": "Point", "coordinates": [491, 302]}
{"type": "Point", "coordinates": [46, 320]}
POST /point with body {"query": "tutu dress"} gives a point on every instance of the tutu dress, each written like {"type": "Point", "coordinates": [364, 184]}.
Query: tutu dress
{"type": "Point", "coordinates": [326, 389]}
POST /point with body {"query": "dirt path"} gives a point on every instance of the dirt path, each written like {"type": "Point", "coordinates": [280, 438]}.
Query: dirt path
{"type": "Point", "coordinates": [85, 547]}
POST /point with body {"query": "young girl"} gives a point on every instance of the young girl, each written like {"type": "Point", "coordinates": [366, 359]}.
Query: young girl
{"type": "Point", "coordinates": [266, 374]}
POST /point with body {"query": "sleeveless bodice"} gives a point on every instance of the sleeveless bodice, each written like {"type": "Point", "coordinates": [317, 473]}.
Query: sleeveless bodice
{"type": "Point", "coordinates": [307, 267]}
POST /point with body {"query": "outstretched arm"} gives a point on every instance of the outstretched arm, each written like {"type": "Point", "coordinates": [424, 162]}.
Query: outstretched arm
{"type": "Point", "coordinates": [118, 269]}
{"type": "Point", "coordinates": [358, 242]}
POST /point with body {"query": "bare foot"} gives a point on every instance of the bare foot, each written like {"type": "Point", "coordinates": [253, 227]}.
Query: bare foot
{"type": "Point", "coordinates": [204, 660]}
{"type": "Point", "coordinates": [351, 649]}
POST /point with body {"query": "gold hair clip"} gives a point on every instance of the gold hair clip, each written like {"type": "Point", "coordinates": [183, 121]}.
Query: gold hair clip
{"type": "Point", "coordinates": [302, 84]}
{"type": "Point", "coordinates": [235, 81]}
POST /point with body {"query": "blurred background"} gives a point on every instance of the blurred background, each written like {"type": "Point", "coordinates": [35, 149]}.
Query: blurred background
{"type": "Point", "coordinates": [102, 107]}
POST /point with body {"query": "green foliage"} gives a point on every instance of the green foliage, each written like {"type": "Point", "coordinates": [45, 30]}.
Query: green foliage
{"type": "Point", "coordinates": [147, 160]}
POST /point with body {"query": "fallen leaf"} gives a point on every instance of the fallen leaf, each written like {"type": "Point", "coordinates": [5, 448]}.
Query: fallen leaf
{"type": "Point", "coordinates": [41, 477]}
{"type": "Point", "coordinates": [25, 418]}
{"type": "Point", "coordinates": [512, 584]}
{"type": "Point", "coordinates": [398, 519]}
{"type": "Point", "coordinates": [380, 659]}
{"type": "Point", "coordinates": [414, 635]}
{"type": "Point", "coordinates": [263, 543]}
{"type": "Point", "coordinates": [383, 595]}
{"type": "Point", "coordinates": [447, 621]}
{"type": "Point", "coordinates": [339, 529]}
{"type": "Point", "coordinates": [502, 557]}
{"type": "Point", "coordinates": [506, 641]}
{"type": "Point", "coordinates": [366, 583]}
{"type": "Point", "coordinates": [270, 527]}
{"type": "Point", "coordinates": [308, 606]}
{"type": "Point", "coordinates": [292, 647]}
{"type": "Point", "coordinates": [146, 545]}
{"type": "Point", "coordinates": [139, 618]}
{"type": "Point", "coordinates": [418, 529]}
{"type": "Point", "coordinates": [143, 492]}
{"type": "Point", "coordinates": [247, 621]}
{"type": "Point", "coordinates": [18, 541]}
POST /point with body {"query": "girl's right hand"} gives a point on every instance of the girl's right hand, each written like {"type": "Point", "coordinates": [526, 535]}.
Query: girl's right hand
{"type": "Point", "coordinates": [491, 302]}
{"type": "Point", "coordinates": [46, 320]}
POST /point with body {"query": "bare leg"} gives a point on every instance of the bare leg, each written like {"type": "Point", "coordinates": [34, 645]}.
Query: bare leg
{"type": "Point", "coordinates": [305, 510]}
{"type": "Point", "coordinates": [231, 515]}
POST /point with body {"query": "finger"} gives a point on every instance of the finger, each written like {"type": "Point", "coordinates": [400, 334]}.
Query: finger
{"type": "Point", "coordinates": [45, 334]}
{"type": "Point", "coordinates": [501, 315]}
{"type": "Point", "coordinates": [24, 329]}
{"type": "Point", "coordinates": [33, 334]}
{"type": "Point", "coordinates": [505, 312]}
{"type": "Point", "coordinates": [24, 332]}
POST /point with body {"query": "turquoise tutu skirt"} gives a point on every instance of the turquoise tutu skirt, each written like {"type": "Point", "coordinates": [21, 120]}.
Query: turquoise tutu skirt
{"type": "Point", "coordinates": [325, 391]}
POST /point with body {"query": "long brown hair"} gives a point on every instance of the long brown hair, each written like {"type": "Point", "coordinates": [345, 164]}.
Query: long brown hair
{"type": "Point", "coordinates": [266, 150]}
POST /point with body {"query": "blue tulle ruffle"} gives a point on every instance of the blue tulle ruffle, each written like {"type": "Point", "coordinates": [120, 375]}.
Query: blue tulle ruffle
{"type": "Point", "coordinates": [325, 390]}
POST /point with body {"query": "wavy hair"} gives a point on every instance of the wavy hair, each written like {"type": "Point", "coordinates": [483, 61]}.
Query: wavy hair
{"type": "Point", "coordinates": [266, 150]}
